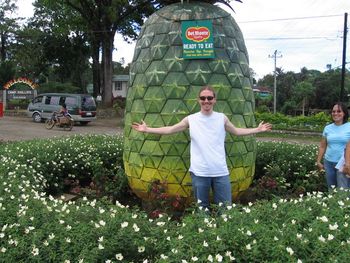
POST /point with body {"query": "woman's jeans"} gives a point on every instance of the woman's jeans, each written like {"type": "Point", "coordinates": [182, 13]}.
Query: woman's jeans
{"type": "Point", "coordinates": [220, 186]}
{"type": "Point", "coordinates": [334, 177]}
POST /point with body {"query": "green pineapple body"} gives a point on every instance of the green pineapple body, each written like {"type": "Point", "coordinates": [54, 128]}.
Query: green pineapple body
{"type": "Point", "coordinates": [164, 88]}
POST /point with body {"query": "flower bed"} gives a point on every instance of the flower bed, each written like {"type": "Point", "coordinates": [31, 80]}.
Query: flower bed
{"type": "Point", "coordinates": [35, 226]}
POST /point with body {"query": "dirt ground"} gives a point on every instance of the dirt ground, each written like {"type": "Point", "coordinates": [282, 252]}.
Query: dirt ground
{"type": "Point", "coordinates": [14, 128]}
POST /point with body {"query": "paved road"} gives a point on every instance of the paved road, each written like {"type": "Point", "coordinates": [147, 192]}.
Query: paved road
{"type": "Point", "coordinates": [14, 128]}
{"type": "Point", "coordinates": [23, 128]}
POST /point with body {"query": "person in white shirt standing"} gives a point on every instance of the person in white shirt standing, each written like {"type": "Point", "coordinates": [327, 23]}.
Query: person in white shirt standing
{"type": "Point", "coordinates": [207, 129]}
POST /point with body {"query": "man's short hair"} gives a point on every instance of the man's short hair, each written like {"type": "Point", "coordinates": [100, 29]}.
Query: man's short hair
{"type": "Point", "coordinates": [210, 88]}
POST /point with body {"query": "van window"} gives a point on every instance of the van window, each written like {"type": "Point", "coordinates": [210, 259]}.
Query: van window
{"type": "Point", "coordinates": [38, 99]}
{"type": "Point", "coordinates": [47, 100]}
{"type": "Point", "coordinates": [52, 100]}
{"type": "Point", "coordinates": [71, 101]}
{"type": "Point", "coordinates": [55, 100]}
{"type": "Point", "coordinates": [87, 103]}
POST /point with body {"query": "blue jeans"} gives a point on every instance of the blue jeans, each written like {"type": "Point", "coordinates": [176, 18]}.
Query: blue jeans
{"type": "Point", "coordinates": [342, 180]}
{"type": "Point", "coordinates": [331, 173]}
{"type": "Point", "coordinates": [220, 186]}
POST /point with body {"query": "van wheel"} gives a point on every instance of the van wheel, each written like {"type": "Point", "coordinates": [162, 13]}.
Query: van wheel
{"type": "Point", "coordinates": [83, 123]}
{"type": "Point", "coordinates": [36, 117]}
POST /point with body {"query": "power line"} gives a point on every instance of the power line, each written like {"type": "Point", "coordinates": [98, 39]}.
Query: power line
{"type": "Point", "coordinates": [293, 38]}
{"type": "Point", "coordinates": [286, 19]}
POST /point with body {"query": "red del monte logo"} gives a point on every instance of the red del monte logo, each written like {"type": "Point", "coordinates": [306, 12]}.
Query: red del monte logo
{"type": "Point", "coordinates": [197, 34]}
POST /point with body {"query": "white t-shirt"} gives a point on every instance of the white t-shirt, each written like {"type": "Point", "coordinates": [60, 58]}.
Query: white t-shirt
{"type": "Point", "coordinates": [207, 132]}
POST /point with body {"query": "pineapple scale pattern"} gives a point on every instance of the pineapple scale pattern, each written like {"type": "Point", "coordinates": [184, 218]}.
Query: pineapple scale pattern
{"type": "Point", "coordinates": [164, 88]}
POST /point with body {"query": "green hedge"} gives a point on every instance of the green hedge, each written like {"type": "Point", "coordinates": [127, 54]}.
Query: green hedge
{"type": "Point", "coordinates": [35, 226]}
{"type": "Point", "coordinates": [301, 123]}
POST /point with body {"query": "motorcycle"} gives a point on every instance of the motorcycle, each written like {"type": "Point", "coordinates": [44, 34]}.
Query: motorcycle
{"type": "Point", "coordinates": [65, 122]}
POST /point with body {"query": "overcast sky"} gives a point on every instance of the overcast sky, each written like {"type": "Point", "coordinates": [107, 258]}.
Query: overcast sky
{"type": "Point", "coordinates": [304, 32]}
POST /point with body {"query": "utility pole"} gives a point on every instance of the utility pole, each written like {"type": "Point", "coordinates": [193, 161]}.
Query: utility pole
{"type": "Point", "coordinates": [275, 56]}
{"type": "Point", "coordinates": [342, 97]}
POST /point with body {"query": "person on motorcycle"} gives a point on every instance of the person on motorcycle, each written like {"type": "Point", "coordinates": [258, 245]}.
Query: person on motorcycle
{"type": "Point", "coordinates": [62, 113]}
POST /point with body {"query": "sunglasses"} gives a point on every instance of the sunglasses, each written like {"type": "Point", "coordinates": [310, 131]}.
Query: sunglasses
{"type": "Point", "coordinates": [209, 98]}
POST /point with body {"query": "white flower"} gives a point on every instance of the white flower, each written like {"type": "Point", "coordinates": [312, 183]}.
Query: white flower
{"type": "Point", "coordinates": [141, 249]}
{"type": "Point", "coordinates": [52, 236]}
{"type": "Point", "coordinates": [68, 240]}
{"type": "Point", "coordinates": [124, 224]}
{"type": "Point", "coordinates": [194, 259]}
{"type": "Point", "coordinates": [35, 251]}
{"type": "Point", "coordinates": [321, 238]}
{"type": "Point", "coordinates": [136, 228]}
{"type": "Point", "coordinates": [100, 246]}
{"type": "Point", "coordinates": [102, 223]}
{"type": "Point", "coordinates": [163, 256]}
{"type": "Point", "coordinates": [330, 237]}
{"type": "Point", "coordinates": [200, 230]}
{"type": "Point", "coordinates": [119, 256]}
{"type": "Point", "coordinates": [175, 251]}
{"type": "Point", "coordinates": [3, 250]}
{"type": "Point", "coordinates": [160, 223]}
{"type": "Point", "coordinates": [100, 239]}
{"type": "Point", "coordinates": [274, 206]}
{"type": "Point", "coordinates": [180, 237]}
{"type": "Point", "coordinates": [333, 227]}
{"type": "Point", "coordinates": [249, 233]}
{"type": "Point", "coordinates": [210, 258]}
{"type": "Point", "coordinates": [324, 219]}
{"type": "Point", "coordinates": [290, 250]}
{"type": "Point", "coordinates": [205, 244]}
{"type": "Point", "coordinates": [248, 247]}
{"type": "Point", "coordinates": [218, 258]}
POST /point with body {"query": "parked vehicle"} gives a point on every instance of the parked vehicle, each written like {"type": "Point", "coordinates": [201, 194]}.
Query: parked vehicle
{"type": "Point", "coordinates": [65, 122]}
{"type": "Point", "coordinates": [81, 107]}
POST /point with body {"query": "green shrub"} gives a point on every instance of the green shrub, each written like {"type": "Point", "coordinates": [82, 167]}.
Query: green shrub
{"type": "Point", "coordinates": [286, 169]}
{"type": "Point", "coordinates": [37, 227]}
{"type": "Point", "coordinates": [314, 122]}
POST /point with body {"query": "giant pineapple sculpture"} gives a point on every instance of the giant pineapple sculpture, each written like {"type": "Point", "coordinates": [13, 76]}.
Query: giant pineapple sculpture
{"type": "Point", "coordinates": [164, 88]}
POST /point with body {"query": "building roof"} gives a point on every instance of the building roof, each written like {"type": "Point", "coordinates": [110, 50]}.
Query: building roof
{"type": "Point", "coordinates": [120, 78]}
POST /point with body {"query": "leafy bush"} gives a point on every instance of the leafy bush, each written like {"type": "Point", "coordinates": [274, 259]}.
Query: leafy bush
{"type": "Point", "coordinates": [314, 122]}
{"type": "Point", "coordinates": [285, 169]}
{"type": "Point", "coordinates": [38, 227]}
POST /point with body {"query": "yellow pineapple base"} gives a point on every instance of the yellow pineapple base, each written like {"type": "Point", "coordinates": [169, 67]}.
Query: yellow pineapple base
{"type": "Point", "coordinates": [141, 180]}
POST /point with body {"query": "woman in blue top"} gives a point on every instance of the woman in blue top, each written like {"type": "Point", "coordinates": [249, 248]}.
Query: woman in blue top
{"type": "Point", "coordinates": [334, 139]}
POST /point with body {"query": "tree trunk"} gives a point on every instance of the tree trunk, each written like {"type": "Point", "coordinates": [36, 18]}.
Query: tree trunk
{"type": "Point", "coordinates": [96, 77]}
{"type": "Point", "coordinates": [3, 47]}
{"type": "Point", "coordinates": [303, 107]}
{"type": "Point", "coordinates": [107, 68]}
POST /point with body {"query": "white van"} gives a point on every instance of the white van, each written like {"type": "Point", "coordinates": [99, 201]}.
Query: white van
{"type": "Point", "coordinates": [81, 107]}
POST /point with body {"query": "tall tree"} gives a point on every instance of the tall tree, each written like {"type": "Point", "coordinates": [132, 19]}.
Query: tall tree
{"type": "Point", "coordinates": [7, 26]}
{"type": "Point", "coordinates": [104, 19]}
{"type": "Point", "coordinates": [303, 92]}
